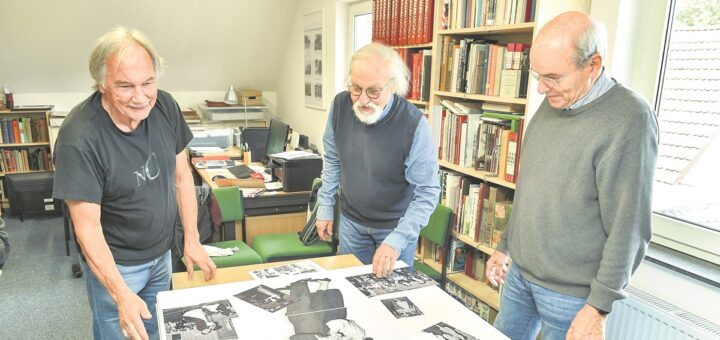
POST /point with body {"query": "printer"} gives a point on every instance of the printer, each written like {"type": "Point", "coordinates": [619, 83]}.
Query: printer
{"type": "Point", "coordinates": [296, 174]}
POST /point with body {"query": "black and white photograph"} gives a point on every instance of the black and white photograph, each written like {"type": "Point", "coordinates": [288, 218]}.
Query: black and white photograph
{"type": "Point", "coordinates": [317, 66]}
{"type": "Point", "coordinates": [318, 311]}
{"type": "Point", "coordinates": [318, 42]}
{"type": "Point", "coordinates": [212, 320]}
{"type": "Point", "coordinates": [303, 267]}
{"type": "Point", "coordinates": [401, 307]}
{"type": "Point", "coordinates": [442, 330]}
{"type": "Point", "coordinates": [314, 54]}
{"type": "Point", "coordinates": [265, 298]}
{"type": "Point", "coordinates": [401, 279]}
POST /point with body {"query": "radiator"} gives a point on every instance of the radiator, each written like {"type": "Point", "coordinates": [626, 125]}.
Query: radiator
{"type": "Point", "coordinates": [644, 316]}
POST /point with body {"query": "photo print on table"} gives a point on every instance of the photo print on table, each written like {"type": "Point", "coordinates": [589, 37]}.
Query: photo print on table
{"type": "Point", "coordinates": [303, 267]}
{"type": "Point", "coordinates": [399, 280]}
{"type": "Point", "coordinates": [442, 330]}
{"type": "Point", "coordinates": [319, 312]}
{"type": "Point", "coordinates": [401, 307]}
{"type": "Point", "coordinates": [211, 320]}
{"type": "Point", "coordinates": [265, 298]}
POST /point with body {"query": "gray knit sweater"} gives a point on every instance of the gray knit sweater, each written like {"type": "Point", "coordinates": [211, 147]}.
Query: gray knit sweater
{"type": "Point", "coordinates": [580, 223]}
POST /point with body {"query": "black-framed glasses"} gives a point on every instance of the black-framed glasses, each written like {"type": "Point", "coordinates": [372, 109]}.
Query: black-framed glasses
{"type": "Point", "coordinates": [371, 92]}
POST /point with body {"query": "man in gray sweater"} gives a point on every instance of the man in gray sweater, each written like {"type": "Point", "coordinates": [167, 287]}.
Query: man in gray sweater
{"type": "Point", "coordinates": [581, 216]}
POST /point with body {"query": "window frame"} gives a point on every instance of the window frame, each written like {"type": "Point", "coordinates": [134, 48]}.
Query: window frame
{"type": "Point", "coordinates": [685, 237]}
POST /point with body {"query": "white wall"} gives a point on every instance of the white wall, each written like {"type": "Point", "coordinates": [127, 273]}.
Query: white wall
{"type": "Point", "coordinates": [291, 100]}
{"type": "Point", "coordinates": [207, 45]}
{"type": "Point", "coordinates": [636, 30]}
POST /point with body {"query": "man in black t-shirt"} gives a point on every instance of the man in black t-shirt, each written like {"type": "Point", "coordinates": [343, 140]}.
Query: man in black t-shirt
{"type": "Point", "coordinates": [122, 169]}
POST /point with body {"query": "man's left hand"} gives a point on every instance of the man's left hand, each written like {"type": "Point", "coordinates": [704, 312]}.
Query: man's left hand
{"type": "Point", "coordinates": [384, 260]}
{"type": "Point", "coordinates": [588, 324]}
{"type": "Point", "coordinates": [195, 254]}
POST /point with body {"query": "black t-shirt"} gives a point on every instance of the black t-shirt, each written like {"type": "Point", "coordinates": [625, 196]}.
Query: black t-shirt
{"type": "Point", "coordinates": [131, 175]}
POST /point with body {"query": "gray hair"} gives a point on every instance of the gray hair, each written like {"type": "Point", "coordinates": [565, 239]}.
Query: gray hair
{"type": "Point", "coordinates": [592, 40]}
{"type": "Point", "coordinates": [115, 41]}
{"type": "Point", "coordinates": [398, 71]}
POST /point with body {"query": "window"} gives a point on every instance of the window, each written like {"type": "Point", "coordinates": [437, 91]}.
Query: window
{"type": "Point", "coordinates": [360, 21]}
{"type": "Point", "coordinates": [687, 180]}
{"type": "Point", "coordinates": [362, 30]}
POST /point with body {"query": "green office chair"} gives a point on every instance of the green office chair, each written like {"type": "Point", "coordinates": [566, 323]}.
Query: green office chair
{"type": "Point", "coordinates": [283, 247]}
{"type": "Point", "coordinates": [437, 231]}
{"type": "Point", "coordinates": [230, 208]}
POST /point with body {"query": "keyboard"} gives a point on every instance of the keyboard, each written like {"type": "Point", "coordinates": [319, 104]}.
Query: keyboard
{"type": "Point", "coordinates": [240, 171]}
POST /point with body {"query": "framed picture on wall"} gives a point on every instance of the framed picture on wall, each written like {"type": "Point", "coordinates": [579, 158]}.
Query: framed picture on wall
{"type": "Point", "coordinates": [314, 59]}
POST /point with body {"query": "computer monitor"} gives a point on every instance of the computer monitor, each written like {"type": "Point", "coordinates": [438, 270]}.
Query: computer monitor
{"type": "Point", "coordinates": [277, 138]}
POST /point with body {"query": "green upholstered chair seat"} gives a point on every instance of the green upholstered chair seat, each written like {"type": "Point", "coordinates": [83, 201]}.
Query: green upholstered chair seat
{"type": "Point", "coordinates": [427, 270]}
{"type": "Point", "coordinates": [242, 257]}
{"type": "Point", "coordinates": [281, 247]}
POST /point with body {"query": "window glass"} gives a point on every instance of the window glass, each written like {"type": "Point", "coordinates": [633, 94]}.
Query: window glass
{"type": "Point", "coordinates": [687, 179]}
{"type": "Point", "coordinates": [362, 30]}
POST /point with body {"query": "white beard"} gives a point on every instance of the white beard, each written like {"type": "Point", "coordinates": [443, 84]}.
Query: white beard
{"type": "Point", "coordinates": [367, 119]}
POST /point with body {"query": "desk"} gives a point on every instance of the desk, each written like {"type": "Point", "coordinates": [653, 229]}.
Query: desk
{"type": "Point", "coordinates": [234, 274]}
{"type": "Point", "coordinates": [400, 307]}
{"type": "Point", "coordinates": [270, 213]}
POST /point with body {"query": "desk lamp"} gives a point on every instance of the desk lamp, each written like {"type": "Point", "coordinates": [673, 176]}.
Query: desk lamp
{"type": "Point", "coordinates": [230, 97]}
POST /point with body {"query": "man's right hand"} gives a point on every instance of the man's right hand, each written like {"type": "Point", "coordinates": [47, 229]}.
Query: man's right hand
{"type": "Point", "coordinates": [496, 268]}
{"type": "Point", "coordinates": [131, 310]}
{"type": "Point", "coordinates": [324, 228]}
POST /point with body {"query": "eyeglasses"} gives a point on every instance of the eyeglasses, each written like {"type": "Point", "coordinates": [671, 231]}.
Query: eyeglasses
{"type": "Point", "coordinates": [550, 82]}
{"type": "Point", "coordinates": [371, 92]}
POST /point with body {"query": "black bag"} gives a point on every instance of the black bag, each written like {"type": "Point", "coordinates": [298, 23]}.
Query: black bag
{"type": "Point", "coordinates": [309, 234]}
{"type": "Point", "coordinates": [207, 231]}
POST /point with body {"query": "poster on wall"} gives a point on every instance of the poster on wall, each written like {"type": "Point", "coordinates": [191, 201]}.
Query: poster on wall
{"type": "Point", "coordinates": [314, 52]}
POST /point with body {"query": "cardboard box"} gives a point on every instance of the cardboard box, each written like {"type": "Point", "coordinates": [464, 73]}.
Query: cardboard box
{"type": "Point", "coordinates": [249, 97]}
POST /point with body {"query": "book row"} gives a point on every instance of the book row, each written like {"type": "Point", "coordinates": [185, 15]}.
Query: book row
{"type": "Point", "coordinates": [482, 210]}
{"type": "Point", "coordinates": [476, 305]}
{"type": "Point", "coordinates": [482, 135]}
{"type": "Point", "coordinates": [403, 22]}
{"type": "Point", "coordinates": [23, 130]}
{"type": "Point", "coordinates": [21, 160]}
{"type": "Point", "coordinates": [419, 64]}
{"type": "Point", "coordinates": [478, 13]}
{"type": "Point", "coordinates": [484, 67]}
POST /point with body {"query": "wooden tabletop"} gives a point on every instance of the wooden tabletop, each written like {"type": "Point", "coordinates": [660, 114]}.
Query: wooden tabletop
{"type": "Point", "coordinates": [233, 274]}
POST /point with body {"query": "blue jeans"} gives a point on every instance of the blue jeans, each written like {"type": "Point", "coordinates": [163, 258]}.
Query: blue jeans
{"type": "Point", "coordinates": [146, 280]}
{"type": "Point", "coordinates": [526, 308]}
{"type": "Point", "coordinates": [362, 242]}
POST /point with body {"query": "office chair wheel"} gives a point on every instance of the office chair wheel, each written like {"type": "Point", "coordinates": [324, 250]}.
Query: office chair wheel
{"type": "Point", "coordinates": [77, 271]}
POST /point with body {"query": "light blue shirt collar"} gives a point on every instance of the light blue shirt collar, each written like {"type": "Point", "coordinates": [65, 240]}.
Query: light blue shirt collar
{"type": "Point", "coordinates": [387, 107]}
{"type": "Point", "coordinates": [602, 85]}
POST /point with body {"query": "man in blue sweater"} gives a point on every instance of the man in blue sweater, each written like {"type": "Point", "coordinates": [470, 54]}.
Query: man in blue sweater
{"type": "Point", "coordinates": [379, 151]}
{"type": "Point", "coordinates": [580, 223]}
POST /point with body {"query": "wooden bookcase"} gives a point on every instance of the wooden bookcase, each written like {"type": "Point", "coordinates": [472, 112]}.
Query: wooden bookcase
{"type": "Point", "coordinates": [29, 149]}
{"type": "Point", "coordinates": [510, 33]}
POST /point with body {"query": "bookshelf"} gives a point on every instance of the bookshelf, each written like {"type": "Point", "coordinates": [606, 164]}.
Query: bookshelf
{"type": "Point", "coordinates": [407, 26]}
{"type": "Point", "coordinates": [515, 31]}
{"type": "Point", "coordinates": [24, 144]}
